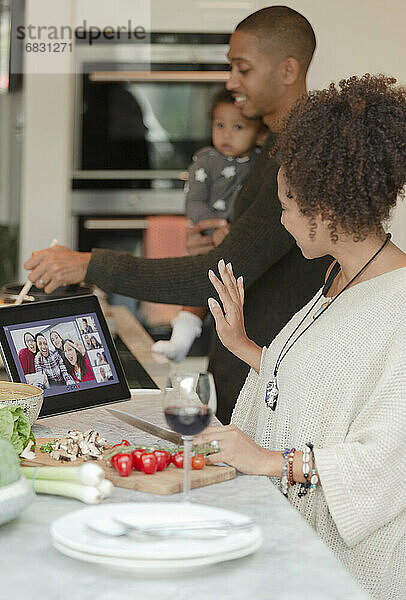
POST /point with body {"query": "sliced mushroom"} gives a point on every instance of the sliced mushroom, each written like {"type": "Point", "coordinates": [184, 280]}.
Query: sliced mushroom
{"type": "Point", "coordinates": [93, 451]}
{"type": "Point", "coordinates": [88, 446]}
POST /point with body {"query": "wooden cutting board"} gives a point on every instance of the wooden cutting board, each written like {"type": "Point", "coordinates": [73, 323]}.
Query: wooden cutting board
{"type": "Point", "coordinates": [169, 481]}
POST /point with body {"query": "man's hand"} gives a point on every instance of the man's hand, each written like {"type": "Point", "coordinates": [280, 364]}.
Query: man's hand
{"type": "Point", "coordinates": [196, 241]}
{"type": "Point", "coordinates": [55, 267]}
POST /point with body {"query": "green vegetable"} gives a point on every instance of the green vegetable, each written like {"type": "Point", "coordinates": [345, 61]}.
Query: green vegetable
{"type": "Point", "coordinates": [89, 494]}
{"type": "Point", "coordinates": [47, 448]}
{"type": "Point", "coordinates": [85, 483]}
{"type": "Point", "coordinates": [88, 474]}
{"type": "Point", "coordinates": [15, 427]}
{"type": "Point", "coordinates": [9, 464]}
{"type": "Point", "coordinates": [6, 424]}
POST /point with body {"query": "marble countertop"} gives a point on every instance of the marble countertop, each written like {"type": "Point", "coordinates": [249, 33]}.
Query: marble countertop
{"type": "Point", "coordinates": [293, 562]}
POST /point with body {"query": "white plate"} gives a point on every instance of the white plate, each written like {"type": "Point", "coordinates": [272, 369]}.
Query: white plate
{"type": "Point", "coordinates": [71, 531]}
{"type": "Point", "coordinates": [162, 567]}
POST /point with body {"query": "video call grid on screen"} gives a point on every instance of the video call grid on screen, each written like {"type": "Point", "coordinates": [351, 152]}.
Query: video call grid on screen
{"type": "Point", "coordinates": [76, 336]}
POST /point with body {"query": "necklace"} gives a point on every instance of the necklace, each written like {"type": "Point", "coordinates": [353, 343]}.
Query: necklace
{"type": "Point", "coordinates": [272, 391]}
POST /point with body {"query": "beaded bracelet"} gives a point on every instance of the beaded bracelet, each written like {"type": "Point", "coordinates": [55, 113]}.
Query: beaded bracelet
{"type": "Point", "coordinates": [312, 483]}
{"type": "Point", "coordinates": [314, 480]}
{"type": "Point", "coordinates": [285, 481]}
{"type": "Point", "coordinates": [306, 470]}
{"type": "Point", "coordinates": [290, 462]}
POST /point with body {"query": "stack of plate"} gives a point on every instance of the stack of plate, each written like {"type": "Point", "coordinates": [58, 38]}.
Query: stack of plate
{"type": "Point", "coordinates": [78, 535]}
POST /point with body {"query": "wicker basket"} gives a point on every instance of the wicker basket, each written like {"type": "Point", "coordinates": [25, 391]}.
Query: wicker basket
{"type": "Point", "coordinates": [22, 394]}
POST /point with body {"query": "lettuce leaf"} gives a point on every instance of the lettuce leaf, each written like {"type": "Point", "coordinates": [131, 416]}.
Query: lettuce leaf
{"type": "Point", "coordinates": [15, 427]}
{"type": "Point", "coordinates": [6, 423]}
{"type": "Point", "coordinates": [9, 464]}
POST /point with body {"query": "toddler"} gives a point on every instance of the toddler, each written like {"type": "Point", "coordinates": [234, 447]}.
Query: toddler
{"type": "Point", "coordinates": [215, 178]}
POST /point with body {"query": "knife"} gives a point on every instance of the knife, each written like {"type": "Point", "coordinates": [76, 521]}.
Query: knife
{"type": "Point", "coordinates": [161, 432]}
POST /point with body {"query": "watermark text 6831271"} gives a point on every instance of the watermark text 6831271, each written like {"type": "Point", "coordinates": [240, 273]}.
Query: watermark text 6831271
{"type": "Point", "coordinates": [48, 47]}
{"type": "Point", "coordinates": [52, 38]}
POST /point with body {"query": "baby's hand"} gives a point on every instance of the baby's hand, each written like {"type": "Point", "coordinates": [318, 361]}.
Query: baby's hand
{"type": "Point", "coordinates": [197, 242]}
{"type": "Point", "coordinates": [219, 234]}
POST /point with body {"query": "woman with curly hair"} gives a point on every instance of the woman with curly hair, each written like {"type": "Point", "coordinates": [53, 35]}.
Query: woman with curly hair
{"type": "Point", "coordinates": [323, 409]}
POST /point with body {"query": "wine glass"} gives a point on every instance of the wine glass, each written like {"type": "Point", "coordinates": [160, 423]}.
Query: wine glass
{"type": "Point", "coordinates": [189, 403]}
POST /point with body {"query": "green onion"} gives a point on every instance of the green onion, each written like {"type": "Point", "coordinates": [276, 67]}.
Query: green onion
{"type": "Point", "coordinates": [106, 488]}
{"type": "Point", "coordinates": [86, 493]}
{"type": "Point", "coordinates": [87, 474]}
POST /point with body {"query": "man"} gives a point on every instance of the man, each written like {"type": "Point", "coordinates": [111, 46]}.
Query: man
{"type": "Point", "coordinates": [86, 327]}
{"type": "Point", "coordinates": [270, 52]}
{"type": "Point", "coordinates": [50, 363]}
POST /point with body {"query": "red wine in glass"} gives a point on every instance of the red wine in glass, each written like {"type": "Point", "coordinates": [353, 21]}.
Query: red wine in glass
{"type": "Point", "coordinates": [189, 403]}
{"type": "Point", "coordinates": [188, 420]}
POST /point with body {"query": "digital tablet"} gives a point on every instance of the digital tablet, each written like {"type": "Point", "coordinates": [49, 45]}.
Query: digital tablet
{"type": "Point", "coordinates": [65, 348]}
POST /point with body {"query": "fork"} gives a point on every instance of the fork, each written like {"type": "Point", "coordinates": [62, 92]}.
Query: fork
{"type": "Point", "coordinates": [193, 529]}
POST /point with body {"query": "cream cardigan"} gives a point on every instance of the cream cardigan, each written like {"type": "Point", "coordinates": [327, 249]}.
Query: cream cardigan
{"type": "Point", "coordinates": [342, 386]}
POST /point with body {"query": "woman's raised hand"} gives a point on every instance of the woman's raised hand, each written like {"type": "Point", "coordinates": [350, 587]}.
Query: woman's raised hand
{"type": "Point", "coordinates": [229, 321]}
{"type": "Point", "coordinates": [230, 317]}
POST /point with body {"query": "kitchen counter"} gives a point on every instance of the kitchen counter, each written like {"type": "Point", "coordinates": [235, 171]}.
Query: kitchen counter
{"type": "Point", "coordinates": [292, 563]}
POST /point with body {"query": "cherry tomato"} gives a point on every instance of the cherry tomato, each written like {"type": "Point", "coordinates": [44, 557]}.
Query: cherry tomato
{"type": "Point", "coordinates": [123, 464]}
{"type": "Point", "coordinates": [198, 461]}
{"type": "Point", "coordinates": [137, 458]}
{"type": "Point", "coordinates": [168, 458]}
{"type": "Point", "coordinates": [122, 443]}
{"type": "Point", "coordinates": [149, 463]}
{"type": "Point", "coordinates": [162, 459]}
{"type": "Point", "coordinates": [177, 460]}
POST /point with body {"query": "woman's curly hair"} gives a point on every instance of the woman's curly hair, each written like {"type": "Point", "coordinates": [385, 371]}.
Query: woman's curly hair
{"type": "Point", "coordinates": [343, 152]}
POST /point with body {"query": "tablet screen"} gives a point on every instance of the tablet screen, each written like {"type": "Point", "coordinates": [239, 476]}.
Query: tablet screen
{"type": "Point", "coordinates": [63, 354]}
{"type": "Point", "coordinates": [65, 348]}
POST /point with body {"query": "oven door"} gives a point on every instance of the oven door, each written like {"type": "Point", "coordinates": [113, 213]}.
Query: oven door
{"type": "Point", "coordinates": [138, 123]}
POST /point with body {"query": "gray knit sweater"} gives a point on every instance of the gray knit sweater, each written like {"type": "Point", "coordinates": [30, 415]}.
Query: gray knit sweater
{"type": "Point", "coordinates": [278, 280]}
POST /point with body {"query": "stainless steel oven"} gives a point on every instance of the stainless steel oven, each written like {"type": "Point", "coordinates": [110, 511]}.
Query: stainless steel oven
{"type": "Point", "coordinates": [141, 111]}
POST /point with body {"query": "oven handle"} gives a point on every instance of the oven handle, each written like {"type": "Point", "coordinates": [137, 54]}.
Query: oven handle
{"type": "Point", "coordinates": [185, 76]}
{"type": "Point", "coordinates": [115, 224]}
{"type": "Point", "coordinates": [125, 174]}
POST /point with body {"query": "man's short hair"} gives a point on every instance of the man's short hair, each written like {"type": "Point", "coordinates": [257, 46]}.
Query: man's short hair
{"type": "Point", "coordinates": [284, 30]}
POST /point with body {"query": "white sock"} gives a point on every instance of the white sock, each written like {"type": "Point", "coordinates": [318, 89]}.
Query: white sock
{"type": "Point", "coordinates": [186, 327]}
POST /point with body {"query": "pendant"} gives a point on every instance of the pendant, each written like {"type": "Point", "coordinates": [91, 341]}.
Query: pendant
{"type": "Point", "coordinates": [322, 308]}
{"type": "Point", "coordinates": [271, 394]}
